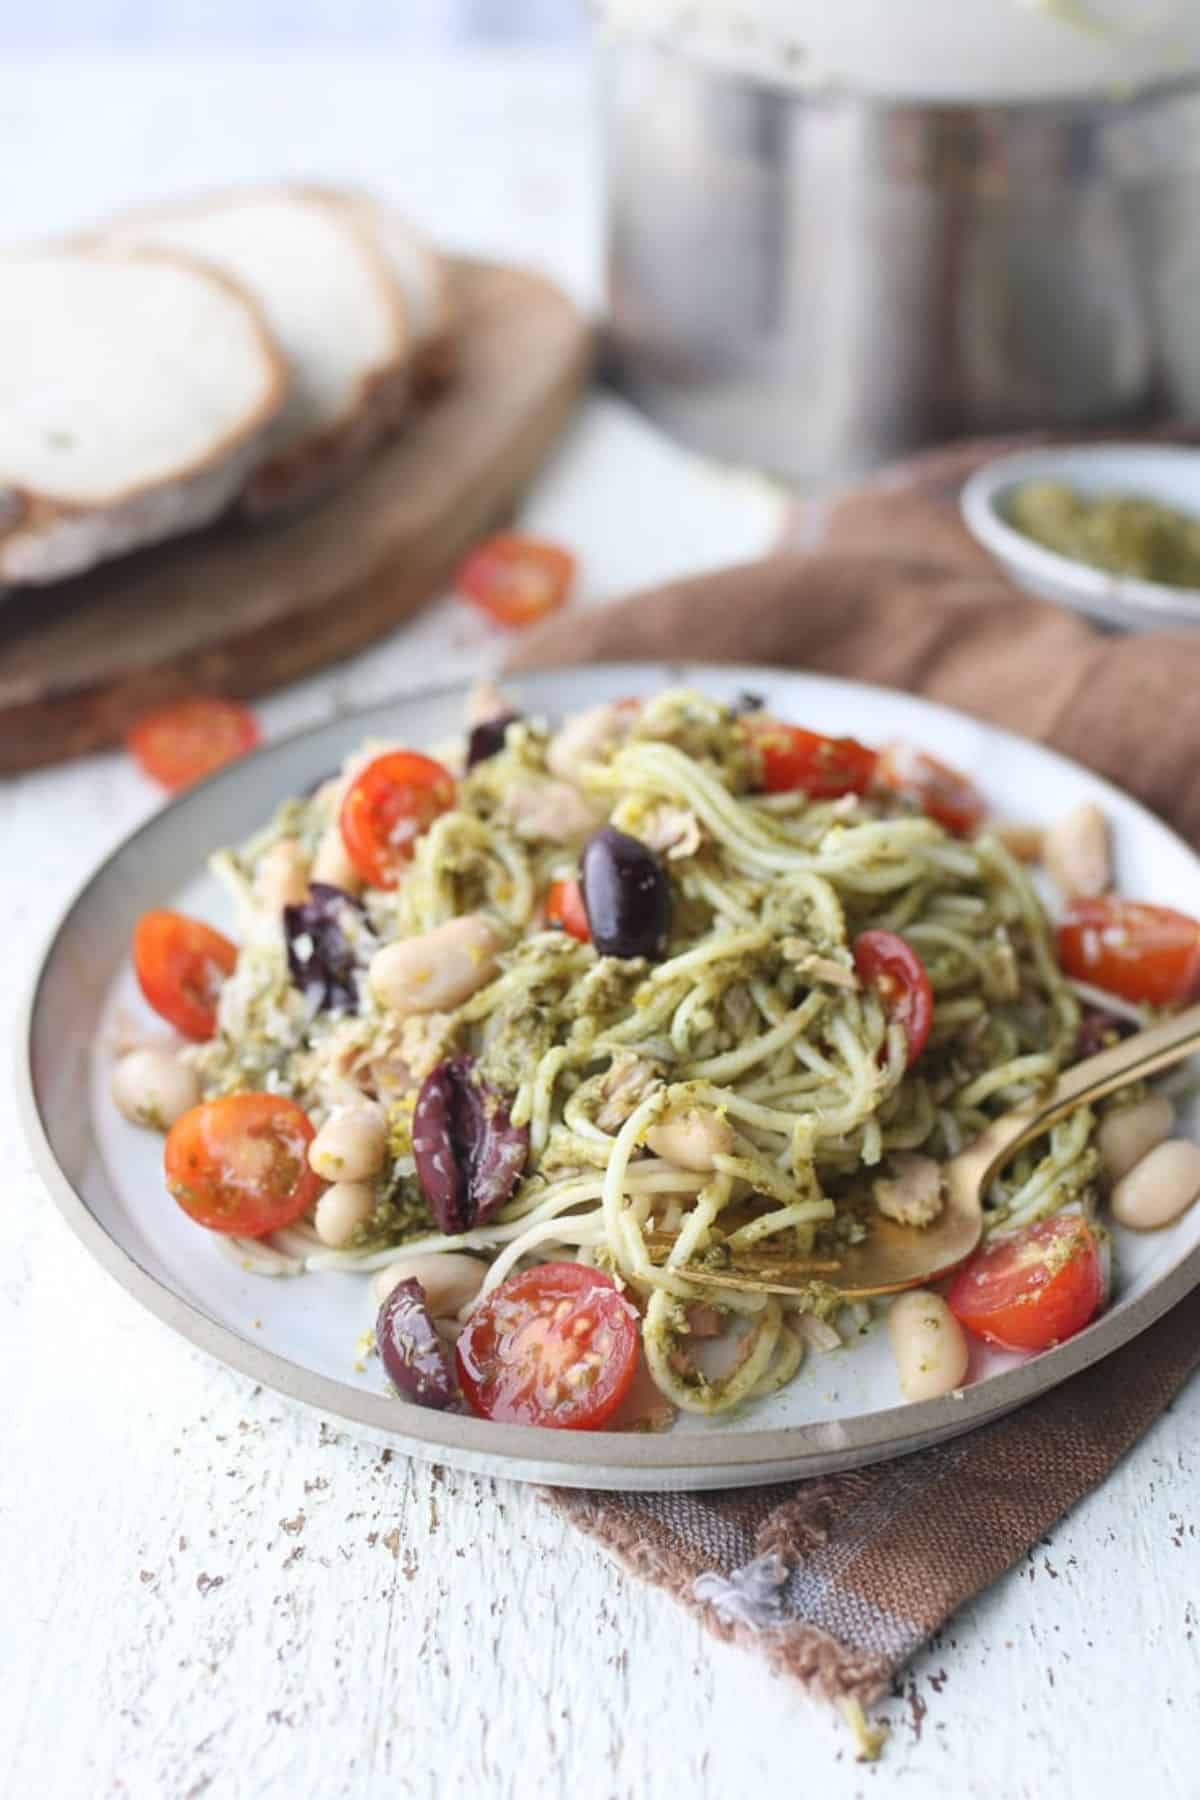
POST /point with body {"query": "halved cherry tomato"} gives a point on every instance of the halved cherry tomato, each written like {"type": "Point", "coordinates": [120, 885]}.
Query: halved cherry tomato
{"type": "Point", "coordinates": [556, 1345]}
{"type": "Point", "coordinates": [822, 767]}
{"type": "Point", "coordinates": [515, 578]}
{"type": "Point", "coordinates": [387, 807]}
{"type": "Point", "coordinates": [1146, 953]}
{"type": "Point", "coordinates": [940, 790]}
{"type": "Point", "coordinates": [1033, 1288]}
{"type": "Point", "coordinates": [179, 743]}
{"type": "Point", "coordinates": [180, 964]}
{"type": "Point", "coordinates": [564, 906]}
{"type": "Point", "coordinates": [240, 1163]}
{"type": "Point", "coordinates": [889, 965]}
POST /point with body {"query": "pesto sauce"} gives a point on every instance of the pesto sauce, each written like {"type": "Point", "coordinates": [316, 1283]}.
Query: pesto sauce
{"type": "Point", "coordinates": [400, 1214]}
{"type": "Point", "coordinates": [1124, 534]}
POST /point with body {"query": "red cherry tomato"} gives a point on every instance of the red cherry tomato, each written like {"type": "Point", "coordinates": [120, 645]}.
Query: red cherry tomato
{"type": "Point", "coordinates": [386, 808]}
{"type": "Point", "coordinates": [177, 744]}
{"type": "Point", "coordinates": [889, 965]}
{"type": "Point", "coordinates": [556, 1345]}
{"type": "Point", "coordinates": [1034, 1288]}
{"type": "Point", "coordinates": [515, 578]}
{"type": "Point", "coordinates": [1144, 953]}
{"type": "Point", "coordinates": [240, 1163]}
{"type": "Point", "coordinates": [822, 767]}
{"type": "Point", "coordinates": [564, 906]}
{"type": "Point", "coordinates": [940, 790]}
{"type": "Point", "coordinates": [180, 965]}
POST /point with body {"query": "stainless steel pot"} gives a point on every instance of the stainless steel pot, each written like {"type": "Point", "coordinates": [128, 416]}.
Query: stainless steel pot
{"type": "Point", "coordinates": [815, 283]}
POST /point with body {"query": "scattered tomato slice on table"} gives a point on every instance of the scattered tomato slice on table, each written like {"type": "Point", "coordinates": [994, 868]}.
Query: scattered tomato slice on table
{"type": "Point", "coordinates": [1144, 953]}
{"type": "Point", "coordinates": [939, 790]}
{"type": "Point", "coordinates": [793, 758]}
{"type": "Point", "coordinates": [1033, 1288]}
{"type": "Point", "coordinates": [240, 1163]}
{"type": "Point", "coordinates": [892, 967]}
{"type": "Point", "coordinates": [177, 744]}
{"type": "Point", "coordinates": [180, 965]}
{"type": "Point", "coordinates": [564, 906]}
{"type": "Point", "coordinates": [555, 1345]}
{"type": "Point", "coordinates": [516, 578]}
{"type": "Point", "coordinates": [386, 808]}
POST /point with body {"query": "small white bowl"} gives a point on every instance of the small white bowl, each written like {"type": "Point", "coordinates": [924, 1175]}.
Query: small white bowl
{"type": "Point", "coordinates": [1167, 473]}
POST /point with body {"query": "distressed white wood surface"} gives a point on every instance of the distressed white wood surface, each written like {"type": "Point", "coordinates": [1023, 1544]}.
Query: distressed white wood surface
{"type": "Point", "coordinates": [208, 1590]}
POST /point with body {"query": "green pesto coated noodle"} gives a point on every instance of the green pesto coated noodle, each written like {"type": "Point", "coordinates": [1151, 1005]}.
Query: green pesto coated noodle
{"type": "Point", "coordinates": [753, 1019]}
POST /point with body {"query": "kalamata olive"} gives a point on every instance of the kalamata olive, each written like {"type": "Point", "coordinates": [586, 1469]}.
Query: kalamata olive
{"type": "Point", "coordinates": [626, 894]}
{"type": "Point", "coordinates": [469, 1154]}
{"type": "Point", "coordinates": [488, 739]}
{"type": "Point", "coordinates": [1098, 1030]}
{"type": "Point", "coordinates": [327, 935]}
{"type": "Point", "coordinates": [417, 1362]}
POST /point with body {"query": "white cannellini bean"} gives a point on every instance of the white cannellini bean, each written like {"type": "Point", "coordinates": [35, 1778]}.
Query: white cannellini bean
{"type": "Point", "coordinates": [450, 1282]}
{"type": "Point", "coordinates": [1025, 842]}
{"type": "Point", "coordinates": [350, 1144]}
{"type": "Point", "coordinates": [332, 863]}
{"type": "Point", "coordinates": [928, 1343]}
{"type": "Point", "coordinates": [130, 1033]}
{"type": "Point", "coordinates": [438, 970]}
{"type": "Point", "coordinates": [1076, 853]}
{"type": "Point", "coordinates": [341, 1210]}
{"type": "Point", "coordinates": [1131, 1132]}
{"type": "Point", "coordinates": [1159, 1187]}
{"type": "Point", "coordinates": [152, 1087]}
{"type": "Point", "coordinates": [690, 1140]}
{"type": "Point", "coordinates": [585, 738]}
{"type": "Point", "coordinates": [282, 875]}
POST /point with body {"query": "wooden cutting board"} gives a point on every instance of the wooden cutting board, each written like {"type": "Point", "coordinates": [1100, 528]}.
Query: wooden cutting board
{"type": "Point", "coordinates": [241, 608]}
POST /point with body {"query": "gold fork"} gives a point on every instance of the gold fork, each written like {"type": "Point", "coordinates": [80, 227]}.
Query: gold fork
{"type": "Point", "coordinates": [894, 1256]}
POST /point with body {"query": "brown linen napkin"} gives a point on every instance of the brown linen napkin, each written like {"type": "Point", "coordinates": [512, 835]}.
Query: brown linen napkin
{"type": "Point", "coordinates": [838, 1581]}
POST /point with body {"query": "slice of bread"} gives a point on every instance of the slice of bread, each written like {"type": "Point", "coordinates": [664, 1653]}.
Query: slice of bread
{"type": "Point", "coordinates": [333, 305]}
{"type": "Point", "coordinates": [417, 268]}
{"type": "Point", "coordinates": [136, 392]}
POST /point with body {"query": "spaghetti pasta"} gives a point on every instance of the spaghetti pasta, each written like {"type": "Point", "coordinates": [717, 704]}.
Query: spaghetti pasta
{"type": "Point", "coordinates": [754, 1016]}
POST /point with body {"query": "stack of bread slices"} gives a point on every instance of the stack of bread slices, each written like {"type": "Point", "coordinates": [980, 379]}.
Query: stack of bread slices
{"type": "Point", "coordinates": [243, 352]}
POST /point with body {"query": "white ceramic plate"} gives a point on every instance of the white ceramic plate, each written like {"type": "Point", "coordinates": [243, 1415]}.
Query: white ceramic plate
{"type": "Point", "coordinates": [1167, 473]}
{"type": "Point", "coordinates": [299, 1335]}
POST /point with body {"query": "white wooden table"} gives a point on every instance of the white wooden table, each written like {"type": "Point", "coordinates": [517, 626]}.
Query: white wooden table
{"type": "Point", "coordinates": [208, 1590]}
